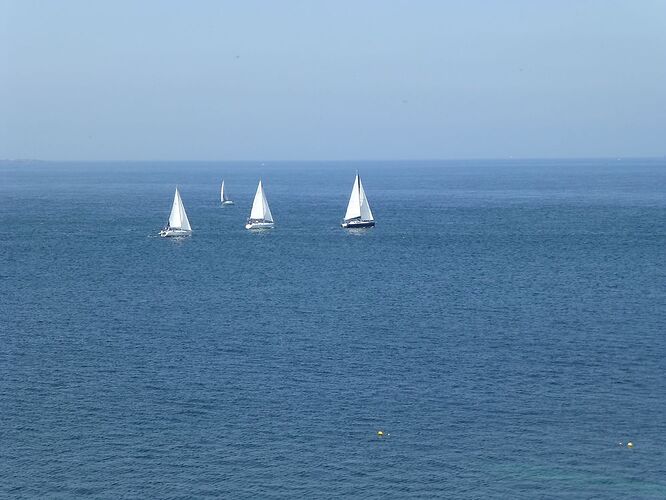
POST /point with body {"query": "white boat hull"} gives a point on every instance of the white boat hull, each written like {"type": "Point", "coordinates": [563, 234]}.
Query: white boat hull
{"type": "Point", "coordinates": [171, 233]}
{"type": "Point", "coordinates": [259, 225]}
{"type": "Point", "coordinates": [228, 202]}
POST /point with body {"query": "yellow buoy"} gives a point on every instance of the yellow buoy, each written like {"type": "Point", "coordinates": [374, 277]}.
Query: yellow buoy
{"type": "Point", "coordinates": [380, 433]}
{"type": "Point", "coordinates": [630, 444]}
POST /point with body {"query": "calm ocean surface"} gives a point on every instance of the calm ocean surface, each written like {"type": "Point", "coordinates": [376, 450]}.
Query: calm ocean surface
{"type": "Point", "coordinates": [505, 323]}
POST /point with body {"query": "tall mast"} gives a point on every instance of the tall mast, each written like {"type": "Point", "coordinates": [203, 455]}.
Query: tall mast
{"type": "Point", "coordinates": [359, 195]}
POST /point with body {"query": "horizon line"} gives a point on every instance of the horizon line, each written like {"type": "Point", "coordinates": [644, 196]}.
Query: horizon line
{"type": "Point", "coordinates": [378, 160]}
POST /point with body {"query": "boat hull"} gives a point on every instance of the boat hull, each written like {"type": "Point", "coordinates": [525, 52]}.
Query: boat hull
{"type": "Point", "coordinates": [228, 202]}
{"type": "Point", "coordinates": [259, 225]}
{"type": "Point", "coordinates": [173, 233]}
{"type": "Point", "coordinates": [358, 224]}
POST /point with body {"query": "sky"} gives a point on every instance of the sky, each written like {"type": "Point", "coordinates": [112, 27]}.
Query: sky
{"type": "Point", "coordinates": [331, 79]}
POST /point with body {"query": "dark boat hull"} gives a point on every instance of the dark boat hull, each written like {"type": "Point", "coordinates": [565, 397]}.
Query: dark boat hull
{"type": "Point", "coordinates": [357, 224]}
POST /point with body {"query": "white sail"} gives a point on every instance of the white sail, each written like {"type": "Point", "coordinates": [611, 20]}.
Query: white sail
{"type": "Point", "coordinates": [366, 213]}
{"type": "Point", "coordinates": [354, 205]}
{"type": "Point", "coordinates": [178, 218]}
{"type": "Point", "coordinates": [260, 209]}
{"type": "Point", "coordinates": [358, 204]}
{"type": "Point", "coordinates": [223, 197]}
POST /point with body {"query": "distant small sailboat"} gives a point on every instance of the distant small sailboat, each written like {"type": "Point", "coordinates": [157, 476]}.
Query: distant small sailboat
{"type": "Point", "coordinates": [358, 210]}
{"type": "Point", "coordinates": [260, 216]}
{"type": "Point", "coordinates": [223, 196]}
{"type": "Point", "coordinates": [178, 224]}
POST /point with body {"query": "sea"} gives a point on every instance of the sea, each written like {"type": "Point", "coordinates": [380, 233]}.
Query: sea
{"type": "Point", "coordinates": [500, 333]}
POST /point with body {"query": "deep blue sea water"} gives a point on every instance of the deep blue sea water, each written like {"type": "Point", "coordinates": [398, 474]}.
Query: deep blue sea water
{"type": "Point", "coordinates": [503, 324]}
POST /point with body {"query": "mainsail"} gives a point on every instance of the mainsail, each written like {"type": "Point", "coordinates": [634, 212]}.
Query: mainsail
{"type": "Point", "coordinates": [223, 195]}
{"type": "Point", "coordinates": [178, 218]}
{"type": "Point", "coordinates": [358, 206]}
{"type": "Point", "coordinates": [260, 209]}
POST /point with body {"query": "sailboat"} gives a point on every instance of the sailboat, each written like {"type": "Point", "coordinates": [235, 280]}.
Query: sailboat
{"type": "Point", "coordinates": [178, 224]}
{"type": "Point", "coordinates": [260, 216]}
{"type": "Point", "coordinates": [358, 210]}
{"type": "Point", "coordinates": [223, 196]}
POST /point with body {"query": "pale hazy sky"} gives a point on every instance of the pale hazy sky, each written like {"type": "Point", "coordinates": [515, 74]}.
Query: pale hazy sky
{"type": "Point", "coordinates": [338, 79]}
